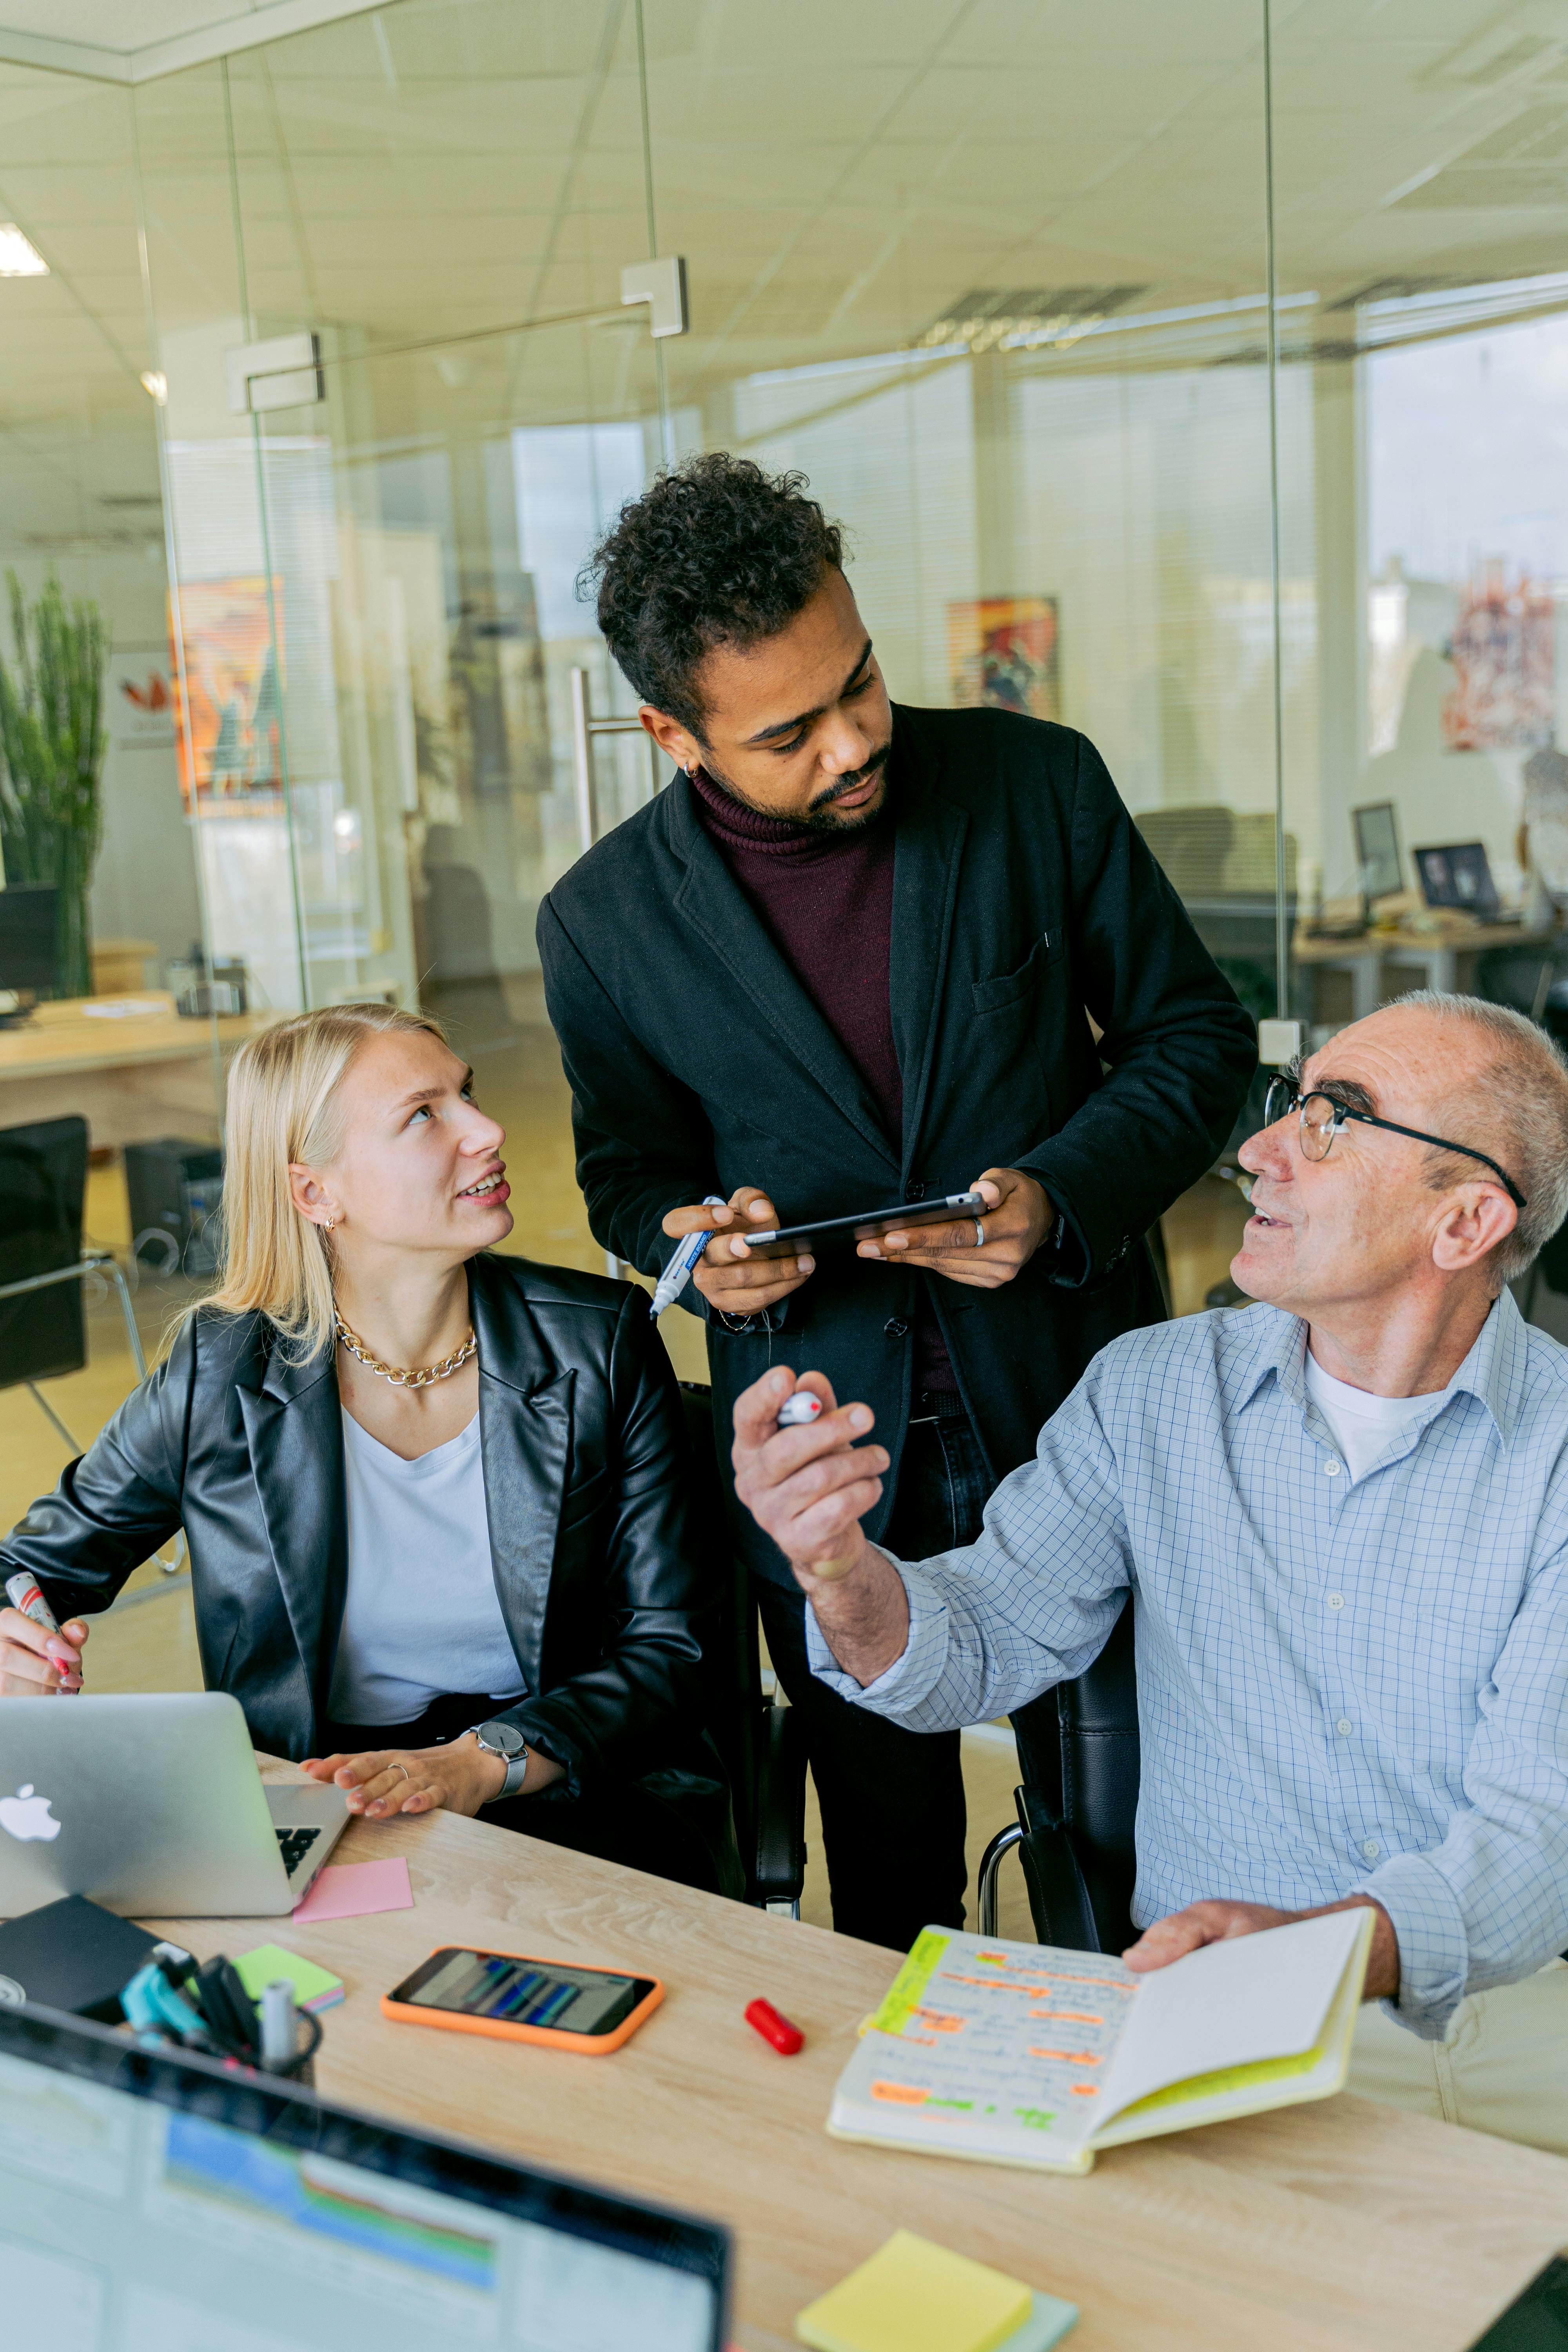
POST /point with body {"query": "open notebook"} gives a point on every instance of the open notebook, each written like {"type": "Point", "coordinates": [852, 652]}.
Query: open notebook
{"type": "Point", "coordinates": [1021, 2053]}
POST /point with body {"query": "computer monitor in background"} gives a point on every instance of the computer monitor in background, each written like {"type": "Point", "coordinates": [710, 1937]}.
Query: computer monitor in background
{"type": "Point", "coordinates": [29, 954]}
{"type": "Point", "coordinates": [1377, 849]}
{"type": "Point", "coordinates": [1459, 876]}
{"type": "Point", "coordinates": [151, 2202]}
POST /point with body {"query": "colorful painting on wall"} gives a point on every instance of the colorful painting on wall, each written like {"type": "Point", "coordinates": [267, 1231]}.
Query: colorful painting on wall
{"type": "Point", "coordinates": [229, 741]}
{"type": "Point", "coordinates": [139, 701]}
{"type": "Point", "coordinates": [1002, 654]}
{"type": "Point", "coordinates": [1503, 649]}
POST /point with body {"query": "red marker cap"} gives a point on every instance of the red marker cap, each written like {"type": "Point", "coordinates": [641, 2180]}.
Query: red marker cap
{"type": "Point", "coordinates": [764, 2019]}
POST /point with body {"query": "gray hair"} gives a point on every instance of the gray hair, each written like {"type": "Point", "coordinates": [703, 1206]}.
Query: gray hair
{"type": "Point", "coordinates": [1518, 1102]}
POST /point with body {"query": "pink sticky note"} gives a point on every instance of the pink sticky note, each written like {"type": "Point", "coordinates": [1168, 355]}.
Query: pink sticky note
{"type": "Point", "coordinates": [350, 1890]}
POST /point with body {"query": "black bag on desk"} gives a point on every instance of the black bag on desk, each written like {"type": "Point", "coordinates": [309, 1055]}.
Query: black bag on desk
{"type": "Point", "coordinates": [72, 1955]}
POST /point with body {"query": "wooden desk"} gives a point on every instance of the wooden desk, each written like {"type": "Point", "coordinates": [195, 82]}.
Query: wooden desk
{"type": "Point", "coordinates": [133, 1079]}
{"type": "Point", "coordinates": [1431, 959]}
{"type": "Point", "coordinates": [1320, 2229]}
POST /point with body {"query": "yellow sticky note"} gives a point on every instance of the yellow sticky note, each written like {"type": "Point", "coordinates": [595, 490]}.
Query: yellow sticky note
{"type": "Point", "coordinates": [912, 2296]}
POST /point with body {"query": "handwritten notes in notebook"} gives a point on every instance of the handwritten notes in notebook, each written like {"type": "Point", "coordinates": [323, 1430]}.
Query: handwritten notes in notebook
{"type": "Point", "coordinates": [1024, 2054]}
{"type": "Point", "coordinates": [1006, 2037]}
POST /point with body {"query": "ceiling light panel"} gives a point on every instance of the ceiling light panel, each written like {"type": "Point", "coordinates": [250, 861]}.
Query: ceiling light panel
{"type": "Point", "coordinates": [19, 257]}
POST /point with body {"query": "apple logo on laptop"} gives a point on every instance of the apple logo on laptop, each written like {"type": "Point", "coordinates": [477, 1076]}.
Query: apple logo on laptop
{"type": "Point", "coordinates": [27, 1816]}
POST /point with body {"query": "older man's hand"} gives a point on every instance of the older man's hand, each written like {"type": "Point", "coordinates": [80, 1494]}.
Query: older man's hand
{"type": "Point", "coordinates": [808, 1488]}
{"type": "Point", "coordinates": [1181, 1932]}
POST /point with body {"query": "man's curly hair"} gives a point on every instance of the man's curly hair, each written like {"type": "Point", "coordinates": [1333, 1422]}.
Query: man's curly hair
{"type": "Point", "coordinates": [715, 553]}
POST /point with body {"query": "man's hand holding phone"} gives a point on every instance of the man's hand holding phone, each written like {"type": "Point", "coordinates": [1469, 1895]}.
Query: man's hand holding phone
{"type": "Point", "coordinates": [1020, 1214]}
{"type": "Point", "coordinates": [731, 1278]}
{"type": "Point", "coordinates": [808, 1486]}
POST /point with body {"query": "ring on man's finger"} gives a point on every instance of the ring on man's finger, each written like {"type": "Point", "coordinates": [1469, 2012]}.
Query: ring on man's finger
{"type": "Point", "coordinates": [979, 1235]}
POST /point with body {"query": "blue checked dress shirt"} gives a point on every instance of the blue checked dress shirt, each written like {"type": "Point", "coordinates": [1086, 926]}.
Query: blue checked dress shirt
{"type": "Point", "coordinates": [1341, 1686]}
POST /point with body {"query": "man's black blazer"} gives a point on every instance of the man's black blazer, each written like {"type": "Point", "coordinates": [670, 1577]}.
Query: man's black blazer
{"type": "Point", "coordinates": [1024, 901]}
{"type": "Point", "coordinates": [585, 1466]}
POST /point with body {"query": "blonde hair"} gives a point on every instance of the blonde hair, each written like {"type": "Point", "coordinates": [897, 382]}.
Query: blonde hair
{"type": "Point", "coordinates": [284, 1106]}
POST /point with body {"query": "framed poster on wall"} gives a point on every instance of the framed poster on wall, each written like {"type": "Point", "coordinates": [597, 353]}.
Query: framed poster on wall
{"type": "Point", "coordinates": [230, 751]}
{"type": "Point", "coordinates": [1002, 654]}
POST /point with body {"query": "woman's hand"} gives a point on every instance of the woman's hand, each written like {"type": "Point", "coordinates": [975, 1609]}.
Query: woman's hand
{"type": "Point", "coordinates": [458, 1778]}
{"type": "Point", "coordinates": [35, 1662]}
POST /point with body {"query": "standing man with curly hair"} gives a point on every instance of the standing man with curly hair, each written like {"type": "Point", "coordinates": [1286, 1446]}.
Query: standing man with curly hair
{"type": "Point", "coordinates": [850, 958]}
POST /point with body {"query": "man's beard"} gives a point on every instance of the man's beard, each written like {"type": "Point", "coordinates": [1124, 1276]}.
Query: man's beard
{"type": "Point", "coordinates": [820, 817]}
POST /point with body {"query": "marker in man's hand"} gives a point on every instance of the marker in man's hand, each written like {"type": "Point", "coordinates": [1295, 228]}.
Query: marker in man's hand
{"type": "Point", "coordinates": [684, 1264]}
{"type": "Point", "coordinates": [798, 1409]}
{"type": "Point", "coordinates": [22, 1591]}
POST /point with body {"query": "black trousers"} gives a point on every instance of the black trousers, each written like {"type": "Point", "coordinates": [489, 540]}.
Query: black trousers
{"type": "Point", "coordinates": [893, 1816]}
{"type": "Point", "coordinates": [676, 1832]}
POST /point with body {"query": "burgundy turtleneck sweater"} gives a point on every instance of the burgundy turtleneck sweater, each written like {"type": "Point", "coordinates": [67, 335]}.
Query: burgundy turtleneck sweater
{"type": "Point", "coordinates": [825, 900]}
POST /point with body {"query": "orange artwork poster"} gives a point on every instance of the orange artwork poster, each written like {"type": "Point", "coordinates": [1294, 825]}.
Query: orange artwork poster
{"type": "Point", "coordinates": [231, 753]}
{"type": "Point", "coordinates": [1003, 653]}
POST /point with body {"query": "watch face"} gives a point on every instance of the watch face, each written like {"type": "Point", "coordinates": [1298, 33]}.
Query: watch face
{"type": "Point", "coordinates": [501, 1738]}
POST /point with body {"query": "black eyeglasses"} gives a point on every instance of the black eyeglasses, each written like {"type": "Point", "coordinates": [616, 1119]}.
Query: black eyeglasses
{"type": "Point", "coordinates": [1322, 1116]}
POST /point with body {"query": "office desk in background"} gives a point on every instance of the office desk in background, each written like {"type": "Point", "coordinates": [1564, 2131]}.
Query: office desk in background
{"type": "Point", "coordinates": [1381, 964]}
{"type": "Point", "coordinates": [133, 1077]}
{"type": "Point", "coordinates": [1343, 2227]}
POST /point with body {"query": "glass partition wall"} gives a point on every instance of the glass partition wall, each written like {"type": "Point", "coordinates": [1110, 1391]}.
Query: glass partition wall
{"type": "Point", "coordinates": [1187, 376]}
{"type": "Point", "coordinates": [81, 519]}
{"type": "Point", "coordinates": [384, 655]}
{"type": "Point", "coordinates": [1420, 200]}
{"type": "Point", "coordinates": [1004, 306]}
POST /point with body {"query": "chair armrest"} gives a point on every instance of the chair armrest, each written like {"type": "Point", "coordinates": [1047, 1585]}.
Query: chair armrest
{"type": "Point", "coordinates": [778, 1866]}
{"type": "Point", "coordinates": [1060, 1904]}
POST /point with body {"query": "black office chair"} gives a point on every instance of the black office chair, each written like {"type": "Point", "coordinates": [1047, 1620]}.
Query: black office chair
{"type": "Point", "coordinates": [43, 1331]}
{"type": "Point", "coordinates": [758, 1737]}
{"type": "Point", "coordinates": [1075, 1836]}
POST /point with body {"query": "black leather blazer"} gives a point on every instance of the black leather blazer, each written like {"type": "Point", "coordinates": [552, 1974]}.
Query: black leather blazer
{"type": "Point", "coordinates": [584, 1465]}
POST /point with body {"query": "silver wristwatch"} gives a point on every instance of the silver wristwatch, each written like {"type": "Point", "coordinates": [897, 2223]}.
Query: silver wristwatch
{"type": "Point", "coordinates": [504, 1739]}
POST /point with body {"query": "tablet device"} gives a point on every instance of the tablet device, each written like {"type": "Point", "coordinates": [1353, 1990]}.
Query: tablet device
{"type": "Point", "coordinates": [867, 1225]}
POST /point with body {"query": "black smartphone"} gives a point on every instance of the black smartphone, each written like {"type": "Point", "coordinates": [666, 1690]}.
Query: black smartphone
{"type": "Point", "coordinates": [1536, 2321]}
{"type": "Point", "coordinates": [867, 1225]}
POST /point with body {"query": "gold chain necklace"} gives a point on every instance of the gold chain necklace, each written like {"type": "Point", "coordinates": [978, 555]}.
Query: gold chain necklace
{"type": "Point", "coordinates": [394, 1372]}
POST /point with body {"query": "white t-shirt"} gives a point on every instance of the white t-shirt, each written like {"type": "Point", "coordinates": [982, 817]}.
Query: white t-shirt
{"type": "Point", "coordinates": [1364, 1426]}
{"type": "Point", "coordinates": [421, 1617]}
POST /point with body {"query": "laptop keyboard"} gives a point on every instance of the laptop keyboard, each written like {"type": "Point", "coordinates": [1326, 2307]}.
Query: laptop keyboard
{"type": "Point", "coordinates": [294, 1845]}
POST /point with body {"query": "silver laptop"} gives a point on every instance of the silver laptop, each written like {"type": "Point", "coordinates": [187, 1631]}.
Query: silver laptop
{"type": "Point", "coordinates": [153, 1806]}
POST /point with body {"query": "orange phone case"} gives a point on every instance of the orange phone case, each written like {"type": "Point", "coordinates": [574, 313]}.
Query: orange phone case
{"type": "Point", "coordinates": [585, 2046]}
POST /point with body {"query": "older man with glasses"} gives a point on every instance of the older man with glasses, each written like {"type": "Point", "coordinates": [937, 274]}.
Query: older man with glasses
{"type": "Point", "coordinates": [1342, 1516]}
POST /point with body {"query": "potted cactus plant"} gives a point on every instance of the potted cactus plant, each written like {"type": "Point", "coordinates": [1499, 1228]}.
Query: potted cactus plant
{"type": "Point", "coordinates": [52, 741]}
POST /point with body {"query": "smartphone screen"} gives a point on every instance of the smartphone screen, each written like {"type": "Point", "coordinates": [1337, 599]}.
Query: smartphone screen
{"type": "Point", "coordinates": [523, 1992]}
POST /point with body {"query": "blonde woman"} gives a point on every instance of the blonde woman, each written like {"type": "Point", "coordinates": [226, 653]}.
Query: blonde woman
{"type": "Point", "coordinates": [434, 1497]}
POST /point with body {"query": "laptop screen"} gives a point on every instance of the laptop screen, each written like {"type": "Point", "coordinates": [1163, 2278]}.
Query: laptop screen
{"type": "Point", "coordinates": [156, 2203]}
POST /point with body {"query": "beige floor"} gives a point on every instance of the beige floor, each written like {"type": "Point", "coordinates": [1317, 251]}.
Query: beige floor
{"type": "Point", "coordinates": [148, 1642]}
